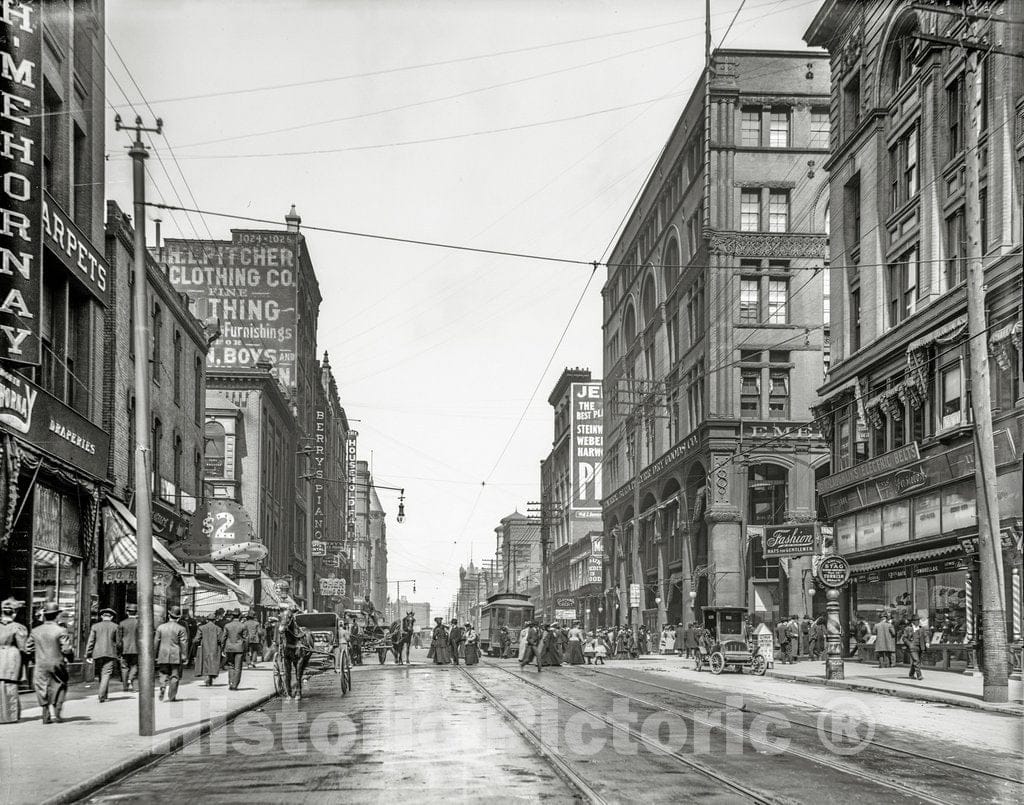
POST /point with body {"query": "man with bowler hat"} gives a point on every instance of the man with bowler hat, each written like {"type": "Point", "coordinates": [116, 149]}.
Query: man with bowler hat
{"type": "Point", "coordinates": [456, 639]}
{"type": "Point", "coordinates": [234, 647]}
{"type": "Point", "coordinates": [51, 645]}
{"type": "Point", "coordinates": [254, 638]}
{"type": "Point", "coordinates": [128, 636]}
{"type": "Point", "coordinates": [916, 639]}
{"type": "Point", "coordinates": [171, 653]}
{"type": "Point", "coordinates": [103, 649]}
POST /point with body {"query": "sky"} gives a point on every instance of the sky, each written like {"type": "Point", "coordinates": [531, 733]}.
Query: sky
{"type": "Point", "coordinates": [522, 125]}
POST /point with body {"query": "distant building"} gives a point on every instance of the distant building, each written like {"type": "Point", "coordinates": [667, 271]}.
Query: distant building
{"type": "Point", "coordinates": [519, 538]}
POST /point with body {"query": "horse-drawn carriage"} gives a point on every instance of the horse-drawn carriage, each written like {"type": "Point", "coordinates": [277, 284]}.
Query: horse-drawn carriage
{"type": "Point", "coordinates": [725, 641]}
{"type": "Point", "coordinates": [309, 645]}
{"type": "Point", "coordinates": [369, 637]}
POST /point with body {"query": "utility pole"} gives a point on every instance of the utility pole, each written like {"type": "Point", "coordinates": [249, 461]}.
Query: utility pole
{"type": "Point", "coordinates": [995, 664]}
{"type": "Point", "coordinates": [143, 456]}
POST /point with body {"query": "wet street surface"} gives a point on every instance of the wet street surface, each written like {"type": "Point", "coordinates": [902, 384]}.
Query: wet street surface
{"type": "Point", "coordinates": [494, 732]}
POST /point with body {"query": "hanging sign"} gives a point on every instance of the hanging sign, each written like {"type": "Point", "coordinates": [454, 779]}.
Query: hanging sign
{"type": "Point", "coordinates": [332, 587]}
{"type": "Point", "coordinates": [634, 595]}
{"type": "Point", "coordinates": [790, 539]}
{"type": "Point", "coordinates": [319, 548]}
{"type": "Point", "coordinates": [221, 530]}
{"type": "Point", "coordinates": [834, 571]}
{"type": "Point", "coordinates": [351, 467]}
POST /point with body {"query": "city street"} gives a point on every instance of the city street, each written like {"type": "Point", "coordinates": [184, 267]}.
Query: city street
{"type": "Point", "coordinates": [433, 733]}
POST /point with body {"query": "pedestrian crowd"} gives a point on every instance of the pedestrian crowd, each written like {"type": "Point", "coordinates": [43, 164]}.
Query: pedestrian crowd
{"type": "Point", "coordinates": [452, 642]}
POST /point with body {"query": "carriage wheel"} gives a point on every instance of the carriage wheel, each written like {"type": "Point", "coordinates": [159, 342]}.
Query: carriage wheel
{"type": "Point", "coordinates": [759, 665]}
{"type": "Point", "coordinates": [717, 662]}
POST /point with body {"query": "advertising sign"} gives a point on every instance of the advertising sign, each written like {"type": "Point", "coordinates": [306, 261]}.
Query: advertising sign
{"type": "Point", "coordinates": [319, 485]}
{"type": "Point", "coordinates": [249, 284]}
{"type": "Point", "coordinates": [221, 530]}
{"type": "Point", "coordinates": [319, 548]}
{"type": "Point", "coordinates": [350, 487]}
{"type": "Point", "coordinates": [634, 595]}
{"type": "Point", "coordinates": [332, 587]}
{"type": "Point", "coordinates": [45, 422]}
{"type": "Point", "coordinates": [21, 166]}
{"type": "Point", "coordinates": [834, 571]}
{"type": "Point", "coordinates": [595, 573]}
{"type": "Point", "coordinates": [586, 444]}
{"type": "Point", "coordinates": [74, 249]}
{"type": "Point", "coordinates": [790, 539]}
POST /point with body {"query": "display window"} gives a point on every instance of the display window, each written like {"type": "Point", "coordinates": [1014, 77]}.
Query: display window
{"type": "Point", "coordinates": [959, 509]}
{"type": "Point", "coordinates": [939, 599]}
{"type": "Point", "coordinates": [896, 522]}
{"type": "Point", "coordinates": [869, 529]}
{"type": "Point", "coordinates": [927, 522]}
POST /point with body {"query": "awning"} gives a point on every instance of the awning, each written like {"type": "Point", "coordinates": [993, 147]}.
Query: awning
{"type": "Point", "coordinates": [123, 556]}
{"type": "Point", "coordinates": [212, 579]}
{"type": "Point", "coordinates": [947, 332]}
{"type": "Point", "coordinates": [905, 558]}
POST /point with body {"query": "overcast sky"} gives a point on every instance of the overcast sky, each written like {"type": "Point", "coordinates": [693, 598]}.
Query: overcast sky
{"type": "Point", "coordinates": [523, 126]}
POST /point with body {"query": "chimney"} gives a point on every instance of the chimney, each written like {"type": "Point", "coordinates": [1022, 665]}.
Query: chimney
{"type": "Point", "coordinates": [293, 220]}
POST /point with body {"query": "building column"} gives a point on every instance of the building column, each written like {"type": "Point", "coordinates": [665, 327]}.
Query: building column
{"type": "Point", "coordinates": [726, 546]}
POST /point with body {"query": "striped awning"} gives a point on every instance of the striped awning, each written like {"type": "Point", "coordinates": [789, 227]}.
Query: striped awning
{"type": "Point", "coordinates": [905, 558]}
{"type": "Point", "coordinates": [212, 579]}
{"type": "Point", "coordinates": [120, 536]}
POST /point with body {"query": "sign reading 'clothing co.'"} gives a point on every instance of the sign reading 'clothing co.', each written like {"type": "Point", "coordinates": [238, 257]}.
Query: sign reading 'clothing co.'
{"type": "Point", "coordinates": [586, 444]}
{"type": "Point", "coordinates": [21, 166]}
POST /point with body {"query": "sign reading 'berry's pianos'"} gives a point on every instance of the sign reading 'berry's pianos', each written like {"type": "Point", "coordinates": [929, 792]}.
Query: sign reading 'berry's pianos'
{"type": "Point", "coordinates": [21, 169]}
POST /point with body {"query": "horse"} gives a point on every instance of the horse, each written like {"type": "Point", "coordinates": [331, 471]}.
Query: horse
{"type": "Point", "coordinates": [295, 647]}
{"type": "Point", "coordinates": [395, 637]}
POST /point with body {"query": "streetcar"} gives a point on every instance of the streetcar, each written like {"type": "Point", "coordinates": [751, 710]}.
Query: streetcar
{"type": "Point", "coordinates": [511, 610]}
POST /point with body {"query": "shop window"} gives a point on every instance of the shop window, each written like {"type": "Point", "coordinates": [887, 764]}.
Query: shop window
{"type": "Point", "coordinates": [750, 211]}
{"type": "Point", "coordinates": [749, 307]}
{"type": "Point", "coordinates": [819, 128]}
{"type": "Point", "coordinates": [778, 128]}
{"type": "Point", "coordinates": [57, 555]}
{"type": "Point", "coordinates": [959, 508]}
{"type": "Point", "coordinates": [846, 535]}
{"type": "Point", "coordinates": [950, 396]}
{"type": "Point", "coordinates": [1009, 494]}
{"type": "Point", "coordinates": [927, 521]}
{"type": "Point", "coordinates": [750, 126]}
{"type": "Point", "coordinates": [869, 529]}
{"type": "Point", "coordinates": [896, 522]}
{"type": "Point", "coordinates": [778, 211]}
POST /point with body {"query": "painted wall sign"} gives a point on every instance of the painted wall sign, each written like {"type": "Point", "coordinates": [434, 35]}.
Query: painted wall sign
{"type": "Point", "coordinates": [781, 430]}
{"type": "Point", "coordinates": [21, 170]}
{"type": "Point", "coordinates": [74, 249]}
{"type": "Point", "coordinates": [791, 539]}
{"type": "Point", "coordinates": [892, 460]}
{"type": "Point", "coordinates": [680, 451]}
{"type": "Point", "coordinates": [586, 444]}
{"type": "Point", "coordinates": [45, 422]}
{"type": "Point", "coordinates": [249, 284]}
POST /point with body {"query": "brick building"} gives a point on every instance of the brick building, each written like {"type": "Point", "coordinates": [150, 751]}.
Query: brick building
{"type": "Point", "coordinates": [900, 487]}
{"type": "Point", "coordinates": [713, 344]}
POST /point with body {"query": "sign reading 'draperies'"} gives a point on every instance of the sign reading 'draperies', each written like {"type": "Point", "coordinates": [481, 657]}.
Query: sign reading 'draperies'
{"type": "Point", "coordinates": [248, 284]}
{"type": "Point", "coordinates": [586, 444]}
{"type": "Point", "coordinates": [21, 168]}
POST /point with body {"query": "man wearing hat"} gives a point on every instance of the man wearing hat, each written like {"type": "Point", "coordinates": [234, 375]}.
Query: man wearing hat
{"type": "Point", "coordinates": [13, 646]}
{"type": "Point", "coordinates": [254, 635]}
{"type": "Point", "coordinates": [235, 637]}
{"type": "Point", "coordinates": [916, 639]}
{"type": "Point", "coordinates": [208, 643]}
{"type": "Point", "coordinates": [103, 649]}
{"type": "Point", "coordinates": [456, 637]}
{"type": "Point", "coordinates": [128, 636]}
{"type": "Point", "coordinates": [171, 653]}
{"type": "Point", "coordinates": [51, 645]}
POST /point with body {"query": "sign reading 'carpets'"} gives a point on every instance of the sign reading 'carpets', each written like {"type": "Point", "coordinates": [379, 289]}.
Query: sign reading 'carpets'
{"type": "Point", "coordinates": [21, 166]}
{"type": "Point", "coordinates": [587, 444]}
{"type": "Point", "coordinates": [248, 284]}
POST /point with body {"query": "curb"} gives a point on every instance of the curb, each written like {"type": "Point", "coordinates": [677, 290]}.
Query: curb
{"type": "Point", "coordinates": [161, 748]}
{"type": "Point", "coordinates": [1012, 708]}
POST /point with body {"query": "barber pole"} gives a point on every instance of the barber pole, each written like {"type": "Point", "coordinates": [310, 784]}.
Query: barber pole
{"type": "Point", "coordinates": [1016, 603]}
{"type": "Point", "coordinates": [969, 609]}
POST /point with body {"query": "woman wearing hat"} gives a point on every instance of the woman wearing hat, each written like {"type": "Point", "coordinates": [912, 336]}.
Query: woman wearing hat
{"type": "Point", "coordinates": [439, 648]}
{"type": "Point", "coordinates": [13, 645]}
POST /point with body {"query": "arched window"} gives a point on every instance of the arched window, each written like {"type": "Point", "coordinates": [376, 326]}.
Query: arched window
{"type": "Point", "coordinates": [649, 299]}
{"type": "Point", "coordinates": [629, 326]}
{"type": "Point", "coordinates": [214, 441]}
{"type": "Point", "coordinates": [768, 486]}
{"type": "Point", "coordinates": [670, 260]}
{"type": "Point", "coordinates": [901, 58]}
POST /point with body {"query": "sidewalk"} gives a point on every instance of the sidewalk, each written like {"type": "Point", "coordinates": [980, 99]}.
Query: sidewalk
{"type": "Point", "coordinates": [98, 742]}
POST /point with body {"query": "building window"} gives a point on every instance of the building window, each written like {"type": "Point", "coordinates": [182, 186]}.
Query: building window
{"type": "Point", "coordinates": [778, 129]}
{"type": "Point", "coordinates": [674, 416]}
{"type": "Point", "coordinates": [778, 394]}
{"type": "Point", "coordinates": [951, 395]}
{"type": "Point", "coordinates": [851, 202]}
{"type": "Point", "coordinates": [177, 470]}
{"type": "Point", "coordinates": [158, 320]}
{"type": "Point", "coordinates": [693, 234]}
{"type": "Point", "coordinates": [983, 218]}
{"type": "Point", "coordinates": [778, 211]}
{"type": "Point", "coordinates": [826, 296]}
{"type": "Point", "coordinates": [955, 116]}
{"type": "Point", "coordinates": [855, 331]}
{"type": "Point", "coordinates": [750, 392]}
{"type": "Point", "coordinates": [81, 188]}
{"type": "Point", "coordinates": [695, 394]}
{"type": "Point", "coordinates": [177, 367]}
{"type": "Point", "coordinates": [819, 128]}
{"type": "Point", "coordinates": [673, 339]}
{"type": "Point", "coordinates": [1005, 374]}
{"type": "Point", "coordinates": [750, 127]}
{"type": "Point", "coordinates": [131, 444]}
{"type": "Point", "coordinates": [197, 389]}
{"type": "Point", "coordinates": [903, 170]}
{"type": "Point", "coordinates": [749, 312]}
{"type": "Point", "coordinates": [214, 447]}
{"type": "Point", "coordinates": [956, 249]}
{"type": "Point", "coordinates": [158, 435]}
{"type": "Point", "coordinates": [695, 310]}
{"type": "Point", "coordinates": [903, 287]}
{"type": "Point", "coordinates": [192, 504]}
{"type": "Point", "coordinates": [750, 211]}
{"type": "Point", "coordinates": [851, 104]}
{"type": "Point", "coordinates": [903, 56]}
{"type": "Point", "coordinates": [778, 301]}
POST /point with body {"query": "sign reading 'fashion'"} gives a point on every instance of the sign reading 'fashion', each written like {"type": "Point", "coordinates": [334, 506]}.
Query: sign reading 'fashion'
{"type": "Point", "coordinates": [791, 539]}
{"type": "Point", "coordinates": [586, 444]}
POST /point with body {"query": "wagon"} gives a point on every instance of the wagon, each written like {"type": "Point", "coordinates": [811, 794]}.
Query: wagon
{"type": "Point", "coordinates": [368, 638]}
{"type": "Point", "coordinates": [321, 634]}
{"type": "Point", "coordinates": [725, 642]}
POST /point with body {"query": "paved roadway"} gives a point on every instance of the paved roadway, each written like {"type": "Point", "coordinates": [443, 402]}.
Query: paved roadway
{"type": "Point", "coordinates": [428, 734]}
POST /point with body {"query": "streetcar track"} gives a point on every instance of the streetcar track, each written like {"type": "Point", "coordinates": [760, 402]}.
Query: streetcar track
{"type": "Point", "coordinates": [704, 769]}
{"type": "Point", "coordinates": [558, 765]}
{"type": "Point", "coordinates": [871, 742]}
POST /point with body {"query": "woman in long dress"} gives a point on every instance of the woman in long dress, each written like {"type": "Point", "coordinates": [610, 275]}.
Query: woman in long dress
{"type": "Point", "coordinates": [472, 650]}
{"type": "Point", "coordinates": [439, 649]}
{"type": "Point", "coordinates": [549, 653]}
{"type": "Point", "coordinates": [13, 645]}
{"type": "Point", "coordinates": [575, 656]}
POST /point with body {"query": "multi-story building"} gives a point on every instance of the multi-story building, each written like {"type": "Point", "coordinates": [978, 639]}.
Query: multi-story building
{"type": "Point", "coordinates": [368, 541]}
{"type": "Point", "coordinates": [570, 475]}
{"type": "Point", "coordinates": [54, 300]}
{"type": "Point", "coordinates": [420, 611]}
{"type": "Point", "coordinates": [713, 344]}
{"type": "Point", "coordinates": [520, 548]}
{"type": "Point", "coordinates": [262, 287]}
{"type": "Point", "coordinates": [895, 405]}
{"type": "Point", "coordinates": [378, 542]}
{"type": "Point", "coordinates": [250, 458]}
{"type": "Point", "coordinates": [176, 361]}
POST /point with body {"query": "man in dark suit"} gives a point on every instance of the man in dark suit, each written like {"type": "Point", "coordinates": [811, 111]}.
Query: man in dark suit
{"type": "Point", "coordinates": [253, 638]}
{"type": "Point", "coordinates": [171, 653]}
{"type": "Point", "coordinates": [235, 636]}
{"type": "Point", "coordinates": [532, 651]}
{"type": "Point", "coordinates": [782, 635]}
{"type": "Point", "coordinates": [456, 637]}
{"type": "Point", "coordinates": [916, 639]}
{"type": "Point", "coordinates": [51, 645]}
{"type": "Point", "coordinates": [103, 649]}
{"type": "Point", "coordinates": [128, 636]}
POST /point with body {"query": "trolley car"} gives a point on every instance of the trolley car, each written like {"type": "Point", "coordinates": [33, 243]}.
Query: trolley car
{"type": "Point", "coordinates": [510, 610]}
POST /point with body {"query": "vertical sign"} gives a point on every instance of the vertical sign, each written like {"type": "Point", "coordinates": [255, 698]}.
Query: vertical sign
{"type": "Point", "coordinates": [319, 458]}
{"type": "Point", "coordinates": [350, 486]}
{"type": "Point", "coordinates": [249, 284]}
{"type": "Point", "coordinates": [21, 166]}
{"type": "Point", "coordinates": [586, 444]}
